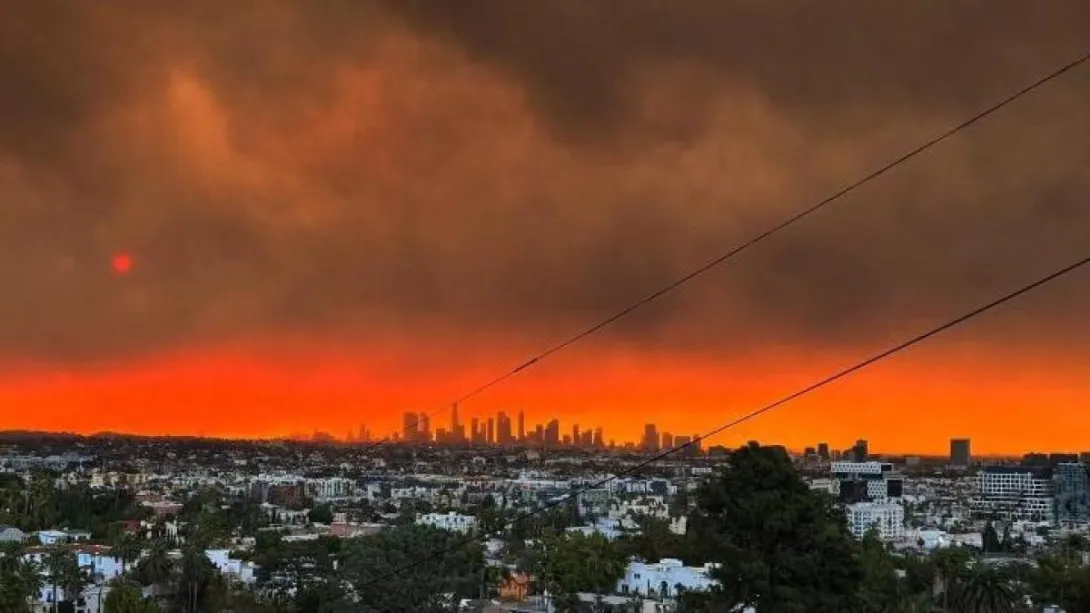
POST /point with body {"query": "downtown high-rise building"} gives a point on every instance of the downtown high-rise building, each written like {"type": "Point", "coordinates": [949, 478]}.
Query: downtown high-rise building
{"type": "Point", "coordinates": [552, 433]}
{"type": "Point", "coordinates": [960, 452]}
{"type": "Point", "coordinates": [650, 438]}
{"type": "Point", "coordinates": [503, 429]}
{"type": "Point", "coordinates": [491, 433]}
{"type": "Point", "coordinates": [522, 427]}
{"type": "Point", "coordinates": [409, 424]}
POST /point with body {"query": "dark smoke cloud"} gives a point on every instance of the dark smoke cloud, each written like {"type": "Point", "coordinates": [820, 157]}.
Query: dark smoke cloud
{"type": "Point", "coordinates": [484, 169]}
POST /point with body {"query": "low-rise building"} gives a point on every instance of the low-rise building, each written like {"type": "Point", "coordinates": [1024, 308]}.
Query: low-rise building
{"type": "Point", "coordinates": [664, 578]}
{"type": "Point", "coordinates": [452, 521]}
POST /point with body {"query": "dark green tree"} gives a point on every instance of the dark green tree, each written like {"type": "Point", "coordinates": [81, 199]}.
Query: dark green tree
{"type": "Point", "coordinates": [572, 562]}
{"type": "Point", "coordinates": [401, 570]}
{"type": "Point", "coordinates": [984, 589]}
{"type": "Point", "coordinates": [19, 582]}
{"type": "Point", "coordinates": [125, 597]}
{"type": "Point", "coordinates": [321, 514]}
{"type": "Point", "coordinates": [156, 568]}
{"type": "Point", "coordinates": [990, 539]}
{"type": "Point", "coordinates": [879, 590]}
{"type": "Point", "coordinates": [782, 548]}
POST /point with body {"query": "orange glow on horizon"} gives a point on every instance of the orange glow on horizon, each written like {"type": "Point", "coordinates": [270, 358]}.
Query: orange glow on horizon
{"type": "Point", "coordinates": [901, 406]}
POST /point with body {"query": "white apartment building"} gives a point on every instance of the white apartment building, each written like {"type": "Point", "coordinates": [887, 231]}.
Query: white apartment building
{"type": "Point", "coordinates": [1014, 493]}
{"type": "Point", "coordinates": [452, 521]}
{"type": "Point", "coordinates": [888, 518]}
{"type": "Point", "coordinates": [662, 579]}
{"type": "Point", "coordinates": [333, 487]}
{"type": "Point", "coordinates": [869, 481]}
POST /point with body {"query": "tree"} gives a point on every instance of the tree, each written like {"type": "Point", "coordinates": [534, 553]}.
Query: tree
{"type": "Point", "coordinates": [984, 589]}
{"type": "Point", "coordinates": [879, 589]}
{"type": "Point", "coordinates": [990, 539]}
{"type": "Point", "coordinates": [125, 597]}
{"type": "Point", "coordinates": [198, 580]}
{"type": "Point", "coordinates": [156, 568]}
{"type": "Point", "coordinates": [950, 563]}
{"type": "Point", "coordinates": [400, 570]}
{"type": "Point", "coordinates": [64, 572]}
{"type": "Point", "coordinates": [19, 582]}
{"type": "Point", "coordinates": [321, 514]}
{"type": "Point", "coordinates": [781, 547]}
{"type": "Point", "coordinates": [573, 563]}
{"type": "Point", "coordinates": [126, 548]}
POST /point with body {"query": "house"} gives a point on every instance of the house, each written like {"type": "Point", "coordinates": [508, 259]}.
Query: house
{"type": "Point", "coordinates": [11, 534]}
{"type": "Point", "coordinates": [515, 587]}
{"type": "Point", "coordinates": [665, 578]}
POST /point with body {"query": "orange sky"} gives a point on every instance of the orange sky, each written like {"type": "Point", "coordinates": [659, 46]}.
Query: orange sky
{"type": "Point", "coordinates": [289, 217]}
{"type": "Point", "coordinates": [912, 403]}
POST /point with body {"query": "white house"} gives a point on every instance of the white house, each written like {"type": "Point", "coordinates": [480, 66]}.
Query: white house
{"type": "Point", "coordinates": [237, 569]}
{"type": "Point", "coordinates": [452, 521]}
{"type": "Point", "coordinates": [11, 534]}
{"type": "Point", "coordinates": [664, 577]}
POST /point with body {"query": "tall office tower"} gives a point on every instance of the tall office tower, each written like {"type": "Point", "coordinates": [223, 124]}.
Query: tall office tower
{"type": "Point", "coordinates": [959, 452]}
{"type": "Point", "coordinates": [363, 436]}
{"type": "Point", "coordinates": [599, 438]}
{"type": "Point", "coordinates": [491, 431]}
{"type": "Point", "coordinates": [650, 438]}
{"type": "Point", "coordinates": [539, 434]}
{"type": "Point", "coordinates": [696, 443]}
{"type": "Point", "coordinates": [552, 433]}
{"type": "Point", "coordinates": [522, 427]}
{"type": "Point", "coordinates": [474, 430]}
{"type": "Point", "coordinates": [575, 440]}
{"type": "Point", "coordinates": [823, 451]}
{"type": "Point", "coordinates": [503, 428]}
{"type": "Point", "coordinates": [454, 418]}
{"type": "Point", "coordinates": [859, 451]}
{"type": "Point", "coordinates": [668, 440]}
{"type": "Point", "coordinates": [588, 438]}
{"type": "Point", "coordinates": [409, 424]}
{"type": "Point", "coordinates": [424, 431]}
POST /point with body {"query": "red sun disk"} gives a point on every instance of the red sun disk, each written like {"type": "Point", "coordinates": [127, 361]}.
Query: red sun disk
{"type": "Point", "coordinates": [122, 263]}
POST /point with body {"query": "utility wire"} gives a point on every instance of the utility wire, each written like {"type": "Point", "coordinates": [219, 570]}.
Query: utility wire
{"type": "Point", "coordinates": [919, 338]}
{"type": "Point", "coordinates": [782, 225]}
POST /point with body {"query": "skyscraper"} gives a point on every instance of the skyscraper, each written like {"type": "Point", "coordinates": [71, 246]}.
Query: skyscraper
{"type": "Point", "coordinates": [575, 440]}
{"type": "Point", "coordinates": [474, 430]}
{"type": "Point", "coordinates": [522, 427]}
{"type": "Point", "coordinates": [454, 418]}
{"type": "Point", "coordinates": [409, 424]}
{"type": "Point", "coordinates": [823, 451]}
{"type": "Point", "coordinates": [650, 438]}
{"type": "Point", "coordinates": [599, 438]}
{"type": "Point", "coordinates": [668, 440]}
{"type": "Point", "coordinates": [552, 433]}
{"type": "Point", "coordinates": [423, 431]}
{"type": "Point", "coordinates": [860, 451]}
{"type": "Point", "coordinates": [503, 429]}
{"type": "Point", "coordinates": [959, 452]}
{"type": "Point", "coordinates": [491, 431]}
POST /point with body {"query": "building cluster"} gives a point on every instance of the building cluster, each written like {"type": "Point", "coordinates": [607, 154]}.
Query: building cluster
{"type": "Point", "coordinates": [910, 503]}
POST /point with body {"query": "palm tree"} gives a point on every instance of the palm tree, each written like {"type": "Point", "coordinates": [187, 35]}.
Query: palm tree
{"type": "Point", "coordinates": [950, 564]}
{"type": "Point", "coordinates": [20, 581]}
{"type": "Point", "coordinates": [59, 563]}
{"type": "Point", "coordinates": [74, 580]}
{"type": "Point", "coordinates": [985, 589]}
{"type": "Point", "coordinates": [156, 568]}
{"type": "Point", "coordinates": [127, 548]}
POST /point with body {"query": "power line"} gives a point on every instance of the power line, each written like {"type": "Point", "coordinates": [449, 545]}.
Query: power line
{"type": "Point", "coordinates": [765, 409]}
{"type": "Point", "coordinates": [768, 233]}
